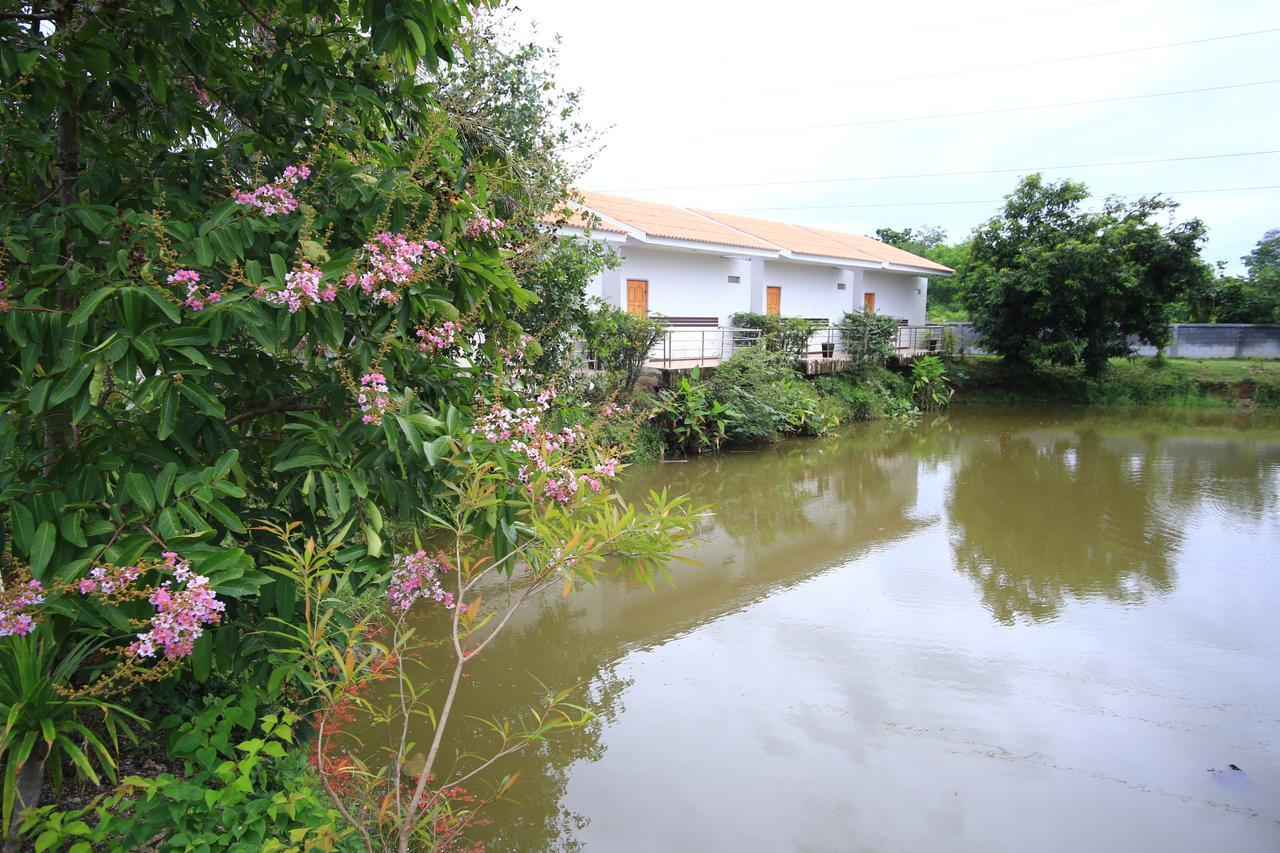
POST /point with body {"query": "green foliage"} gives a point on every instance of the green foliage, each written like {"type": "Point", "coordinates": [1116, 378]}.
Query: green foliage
{"type": "Point", "coordinates": [47, 727]}
{"type": "Point", "coordinates": [688, 418]}
{"type": "Point", "coordinates": [560, 278]}
{"type": "Point", "coordinates": [1142, 381]}
{"type": "Point", "coordinates": [868, 393]}
{"type": "Point", "coordinates": [767, 398]}
{"type": "Point", "coordinates": [868, 337]}
{"type": "Point", "coordinates": [1253, 298]}
{"type": "Point", "coordinates": [1049, 281]}
{"type": "Point", "coordinates": [128, 419]}
{"type": "Point", "coordinates": [929, 384]}
{"type": "Point", "coordinates": [788, 335]}
{"type": "Point", "coordinates": [621, 341]}
{"type": "Point", "coordinates": [239, 790]}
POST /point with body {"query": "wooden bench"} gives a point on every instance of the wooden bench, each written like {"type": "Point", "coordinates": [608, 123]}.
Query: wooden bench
{"type": "Point", "coordinates": [689, 322]}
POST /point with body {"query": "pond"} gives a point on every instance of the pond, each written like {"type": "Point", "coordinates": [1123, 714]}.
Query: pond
{"type": "Point", "coordinates": [1030, 630]}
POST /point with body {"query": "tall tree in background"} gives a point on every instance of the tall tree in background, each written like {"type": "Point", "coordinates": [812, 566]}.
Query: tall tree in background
{"type": "Point", "coordinates": [929, 241]}
{"type": "Point", "coordinates": [1051, 281]}
{"type": "Point", "coordinates": [1254, 297]}
{"type": "Point", "coordinates": [504, 102]}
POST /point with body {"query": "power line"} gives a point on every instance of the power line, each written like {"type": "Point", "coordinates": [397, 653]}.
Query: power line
{"type": "Point", "coordinates": [992, 200]}
{"type": "Point", "coordinates": [1026, 169]}
{"type": "Point", "coordinates": [969, 113]}
{"type": "Point", "coordinates": [985, 68]}
{"type": "Point", "coordinates": [1035, 14]}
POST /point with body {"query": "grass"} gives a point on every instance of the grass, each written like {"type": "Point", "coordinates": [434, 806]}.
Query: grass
{"type": "Point", "coordinates": [1140, 381]}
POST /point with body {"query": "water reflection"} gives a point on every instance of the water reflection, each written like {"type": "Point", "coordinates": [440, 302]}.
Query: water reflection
{"type": "Point", "coordinates": [1037, 510]}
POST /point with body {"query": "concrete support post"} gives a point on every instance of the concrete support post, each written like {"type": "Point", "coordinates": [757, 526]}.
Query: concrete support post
{"type": "Point", "coordinates": [611, 287]}
{"type": "Point", "coordinates": [918, 312]}
{"type": "Point", "coordinates": [755, 278]}
{"type": "Point", "coordinates": [857, 287]}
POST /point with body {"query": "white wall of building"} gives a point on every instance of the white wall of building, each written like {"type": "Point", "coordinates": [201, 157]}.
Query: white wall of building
{"type": "Point", "coordinates": [809, 290]}
{"type": "Point", "coordinates": [684, 283]}
{"type": "Point", "coordinates": [896, 294]}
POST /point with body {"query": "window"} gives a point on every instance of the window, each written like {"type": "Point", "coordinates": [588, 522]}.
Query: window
{"type": "Point", "coordinates": [839, 285]}
{"type": "Point", "coordinates": [735, 279]}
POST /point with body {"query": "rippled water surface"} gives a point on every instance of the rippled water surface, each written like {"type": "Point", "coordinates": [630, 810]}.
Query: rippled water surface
{"type": "Point", "coordinates": [1038, 630]}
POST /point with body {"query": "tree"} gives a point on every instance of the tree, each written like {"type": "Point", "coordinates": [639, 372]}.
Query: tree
{"type": "Point", "coordinates": [506, 106]}
{"type": "Point", "coordinates": [929, 241]}
{"type": "Point", "coordinates": [1254, 298]}
{"type": "Point", "coordinates": [917, 240]}
{"type": "Point", "coordinates": [1049, 280]}
{"type": "Point", "coordinates": [254, 275]}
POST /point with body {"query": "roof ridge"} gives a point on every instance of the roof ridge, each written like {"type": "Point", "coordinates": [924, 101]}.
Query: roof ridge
{"type": "Point", "coordinates": [731, 227]}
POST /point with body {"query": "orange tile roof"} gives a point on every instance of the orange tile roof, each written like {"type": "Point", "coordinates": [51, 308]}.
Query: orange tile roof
{"type": "Point", "coordinates": [572, 217]}
{"type": "Point", "coordinates": [677, 223]}
{"type": "Point", "coordinates": [708, 226]}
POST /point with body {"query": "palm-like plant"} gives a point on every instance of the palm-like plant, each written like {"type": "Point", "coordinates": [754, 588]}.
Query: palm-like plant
{"type": "Point", "coordinates": [46, 728]}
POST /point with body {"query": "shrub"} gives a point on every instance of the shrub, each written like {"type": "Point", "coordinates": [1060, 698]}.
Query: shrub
{"type": "Point", "coordinates": [622, 341]}
{"type": "Point", "coordinates": [767, 398]}
{"type": "Point", "coordinates": [929, 385]}
{"type": "Point", "coordinates": [239, 791]}
{"type": "Point", "coordinates": [779, 334]}
{"type": "Point", "coordinates": [868, 337]}
{"type": "Point", "coordinates": [688, 418]}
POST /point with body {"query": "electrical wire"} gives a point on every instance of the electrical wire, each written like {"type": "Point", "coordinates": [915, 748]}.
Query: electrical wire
{"type": "Point", "coordinates": [1022, 170]}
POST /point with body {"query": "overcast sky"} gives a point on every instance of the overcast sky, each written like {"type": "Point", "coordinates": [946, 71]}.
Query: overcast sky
{"type": "Point", "coordinates": [792, 96]}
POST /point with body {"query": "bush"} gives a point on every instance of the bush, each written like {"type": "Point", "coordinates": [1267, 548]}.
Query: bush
{"type": "Point", "coordinates": [787, 335]}
{"type": "Point", "coordinates": [868, 337]}
{"type": "Point", "coordinates": [622, 341]}
{"type": "Point", "coordinates": [689, 419]}
{"type": "Point", "coordinates": [767, 398]}
{"type": "Point", "coordinates": [929, 384]}
{"type": "Point", "coordinates": [240, 790]}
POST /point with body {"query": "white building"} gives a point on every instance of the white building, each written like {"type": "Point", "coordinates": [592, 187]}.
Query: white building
{"type": "Point", "coordinates": [697, 267]}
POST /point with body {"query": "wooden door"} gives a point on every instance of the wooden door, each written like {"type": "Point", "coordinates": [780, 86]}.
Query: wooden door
{"type": "Point", "coordinates": [869, 303]}
{"type": "Point", "coordinates": [638, 297]}
{"type": "Point", "coordinates": [773, 301]}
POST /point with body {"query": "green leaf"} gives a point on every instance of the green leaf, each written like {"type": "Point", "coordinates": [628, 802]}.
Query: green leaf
{"type": "Point", "coordinates": [139, 488]}
{"type": "Point", "coordinates": [204, 401]}
{"type": "Point", "coordinates": [91, 302]}
{"type": "Point", "coordinates": [164, 482]}
{"type": "Point", "coordinates": [71, 383]}
{"type": "Point", "coordinates": [169, 309]}
{"type": "Point", "coordinates": [202, 657]}
{"type": "Point", "coordinates": [278, 267]}
{"type": "Point", "coordinates": [42, 547]}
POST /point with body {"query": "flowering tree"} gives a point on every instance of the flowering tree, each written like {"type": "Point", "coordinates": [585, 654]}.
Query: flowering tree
{"type": "Point", "coordinates": [533, 511]}
{"type": "Point", "coordinates": [240, 253]}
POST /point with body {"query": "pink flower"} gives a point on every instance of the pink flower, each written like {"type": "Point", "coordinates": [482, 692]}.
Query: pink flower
{"type": "Point", "coordinates": [302, 288]}
{"type": "Point", "coordinates": [482, 227]}
{"type": "Point", "coordinates": [181, 613]}
{"type": "Point", "coordinates": [373, 397]}
{"type": "Point", "coordinates": [392, 261]}
{"type": "Point", "coordinates": [416, 576]}
{"type": "Point", "coordinates": [440, 338]}
{"type": "Point", "coordinates": [276, 197]}
{"type": "Point", "coordinates": [15, 621]}
{"type": "Point", "coordinates": [197, 298]}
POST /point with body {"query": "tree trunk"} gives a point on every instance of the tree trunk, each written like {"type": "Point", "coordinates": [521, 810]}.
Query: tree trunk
{"type": "Point", "coordinates": [30, 781]}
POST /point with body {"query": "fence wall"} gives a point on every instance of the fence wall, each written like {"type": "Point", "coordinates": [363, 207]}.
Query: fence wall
{"type": "Point", "coordinates": [1187, 340]}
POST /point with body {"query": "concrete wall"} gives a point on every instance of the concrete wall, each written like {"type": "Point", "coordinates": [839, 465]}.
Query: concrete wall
{"type": "Point", "coordinates": [809, 290]}
{"type": "Point", "coordinates": [896, 294]}
{"type": "Point", "coordinates": [684, 283]}
{"type": "Point", "coordinates": [1188, 340]}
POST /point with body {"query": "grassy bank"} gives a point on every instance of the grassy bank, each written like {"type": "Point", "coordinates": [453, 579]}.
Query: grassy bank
{"type": "Point", "coordinates": [1143, 381]}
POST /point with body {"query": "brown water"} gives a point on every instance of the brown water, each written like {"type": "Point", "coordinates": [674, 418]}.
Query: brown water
{"type": "Point", "coordinates": [1021, 631]}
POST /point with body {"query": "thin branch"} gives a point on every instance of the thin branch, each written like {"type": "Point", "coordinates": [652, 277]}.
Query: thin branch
{"type": "Point", "coordinates": [286, 404]}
